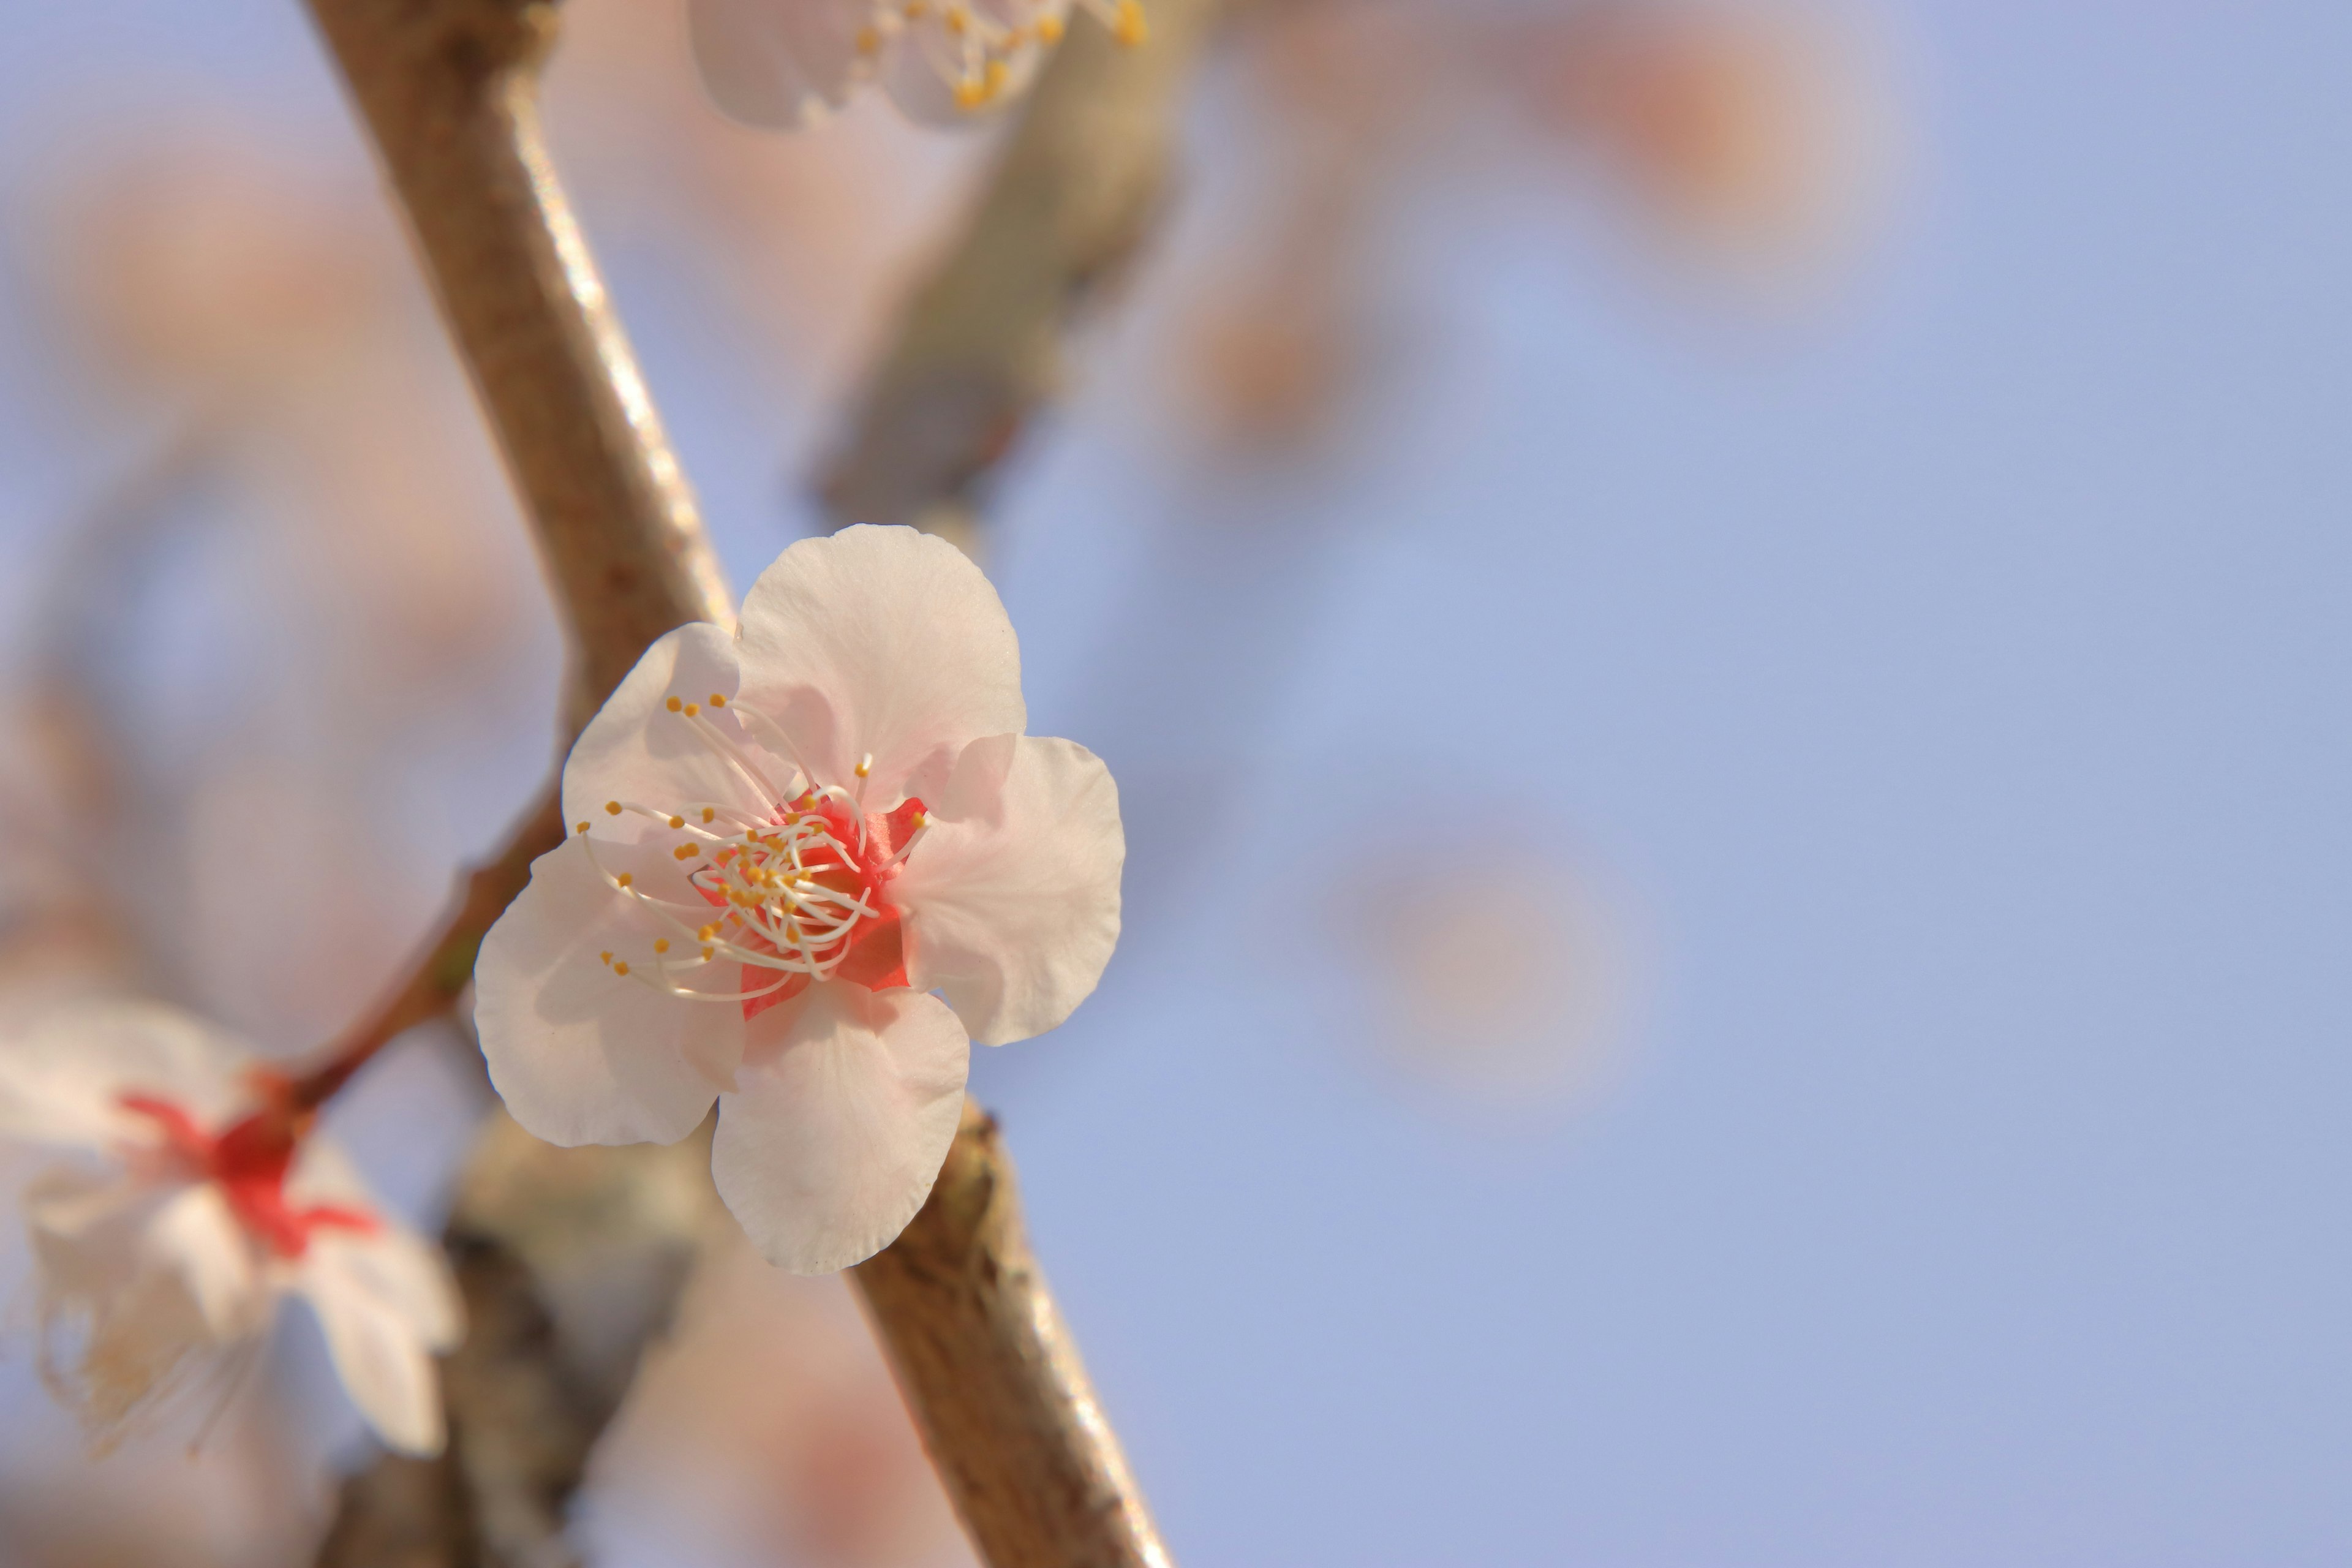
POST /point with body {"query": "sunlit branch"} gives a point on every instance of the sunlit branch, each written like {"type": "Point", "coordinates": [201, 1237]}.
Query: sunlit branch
{"type": "Point", "coordinates": [447, 89]}
{"type": "Point", "coordinates": [978, 349]}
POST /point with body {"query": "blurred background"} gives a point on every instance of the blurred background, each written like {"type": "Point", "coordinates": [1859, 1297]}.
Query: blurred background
{"type": "Point", "coordinates": [1722, 625]}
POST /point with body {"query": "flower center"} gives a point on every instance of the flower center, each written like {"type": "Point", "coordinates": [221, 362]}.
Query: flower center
{"type": "Point", "coordinates": [250, 1160]}
{"type": "Point", "coordinates": [787, 896]}
{"type": "Point", "coordinates": [972, 51]}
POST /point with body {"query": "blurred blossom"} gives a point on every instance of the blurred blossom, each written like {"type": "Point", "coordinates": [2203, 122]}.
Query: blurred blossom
{"type": "Point", "coordinates": [791, 63]}
{"type": "Point", "coordinates": [281, 622]}
{"type": "Point", "coordinates": [788, 236]}
{"type": "Point", "coordinates": [188, 1199]}
{"type": "Point", "coordinates": [1752, 137]}
{"type": "Point", "coordinates": [1749, 141]}
{"type": "Point", "coordinates": [769, 1431]}
{"type": "Point", "coordinates": [201, 266]}
{"type": "Point", "coordinates": [1503, 978]}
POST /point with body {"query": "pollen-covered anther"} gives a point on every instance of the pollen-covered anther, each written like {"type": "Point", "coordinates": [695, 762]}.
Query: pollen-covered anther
{"type": "Point", "coordinates": [612, 808]}
{"type": "Point", "coordinates": [686, 851]}
{"type": "Point", "coordinates": [866, 764]}
{"type": "Point", "coordinates": [661, 944]}
{"type": "Point", "coordinates": [675, 703]}
{"type": "Point", "coordinates": [678, 822]}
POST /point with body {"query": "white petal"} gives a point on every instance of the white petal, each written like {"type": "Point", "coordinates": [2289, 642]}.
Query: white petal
{"type": "Point", "coordinates": [1012, 899]}
{"type": "Point", "coordinates": [778, 63]}
{"type": "Point", "coordinates": [880, 640]}
{"type": "Point", "coordinates": [62, 1077]}
{"type": "Point", "coordinates": [142, 1286]}
{"type": "Point", "coordinates": [844, 1113]}
{"type": "Point", "coordinates": [409, 1273]}
{"type": "Point", "coordinates": [580, 1054]}
{"type": "Point", "coordinates": [637, 750]}
{"type": "Point", "coordinates": [196, 1237]}
{"type": "Point", "coordinates": [379, 1346]}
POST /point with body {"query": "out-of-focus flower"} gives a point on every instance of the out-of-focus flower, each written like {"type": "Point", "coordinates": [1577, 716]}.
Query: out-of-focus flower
{"type": "Point", "coordinates": [1514, 1001]}
{"type": "Point", "coordinates": [788, 63]}
{"type": "Point", "coordinates": [767, 1428]}
{"type": "Point", "coordinates": [193, 1197]}
{"type": "Point", "coordinates": [1747, 134]}
{"type": "Point", "coordinates": [783, 842]}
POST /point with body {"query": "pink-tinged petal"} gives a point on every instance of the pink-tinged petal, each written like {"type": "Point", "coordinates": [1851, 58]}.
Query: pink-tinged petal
{"type": "Point", "coordinates": [384, 1312]}
{"type": "Point", "coordinates": [195, 1235]}
{"type": "Point", "coordinates": [62, 1077]}
{"type": "Point", "coordinates": [637, 751]}
{"type": "Point", "coordinates": [1011, 899]}
{"type": "Point", "coordinates": [121, 1325]}
{"type": "Point", "coordinates": [579, 1053]}
{"type": "Point", "coordinates": [843, 1112]}
{"type": "Point", "coordinates": [881, 641]}
{"type": "Point", "coordinates": [401, 1269]}
{"type": "Point", "coordinates": [782, 64]}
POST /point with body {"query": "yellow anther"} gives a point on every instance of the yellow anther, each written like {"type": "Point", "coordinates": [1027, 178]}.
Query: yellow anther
{"type": "Point", "coordinates": [1128, 25]}
{"type": "Point", "coordinates": [866, 764]}
{"type": "Point", "coordinates": [583, 827]}
{"type": "Point", "coordinates": [1049, 29]}
{"type": "Point", "coordinates": [605, 956]}
{"type": "Point", "coordinates": [706, 952]}
{"type": "Point", "coordinates": [612, 808]}
{"type": "Point", "coordinates": [718, 700]}
{"type": "Point", "coordinates": [686, 851]}
{"type": "Point", "coordinates": [621, 967]}
{"type": "Point", "coordinates": [956, 21]}
{"type": "Point", "coordinates": [678, 822]}
{"type": "Point", "coordinates": [624, 879]}
{"type": "Point", "coordinates": [692, 708]}
{"type": "Point", "coordinates": [707, 814]}
{"type": "Point", "coordinates": [997, 72]}
{"type": "Point", "coordinates": [707, 933]}
{"type": "Point", "coordinates": [661, 944]}
{"type": "Point", "coordinates": [869, 42]}
{"type": "Point", "coordinates": [968, 95]}
{"type": "Point", "coordinates": [674, 704]}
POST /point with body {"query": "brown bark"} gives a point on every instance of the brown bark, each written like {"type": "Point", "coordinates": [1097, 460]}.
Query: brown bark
{"type": "Point", "coordinates": [570, 1259]}
{"type": "Point", "coordinates": [989, 1367]}
{"type": "Point", "coordinates": [978, 349]}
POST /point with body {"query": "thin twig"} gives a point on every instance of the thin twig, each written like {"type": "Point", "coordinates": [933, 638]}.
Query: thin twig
{"type": "Point", "coordinates": [447, 88]}
{"type": "Point", "coordinates": [978, 349]}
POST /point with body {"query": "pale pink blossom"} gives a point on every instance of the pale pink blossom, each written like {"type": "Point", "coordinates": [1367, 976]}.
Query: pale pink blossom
{"type": "Point", "coordinates": [189, 1198]}
{"type": "Point", "coordinates": [783, 842]}
{"type": "Point", "coordinates": [787, 63]}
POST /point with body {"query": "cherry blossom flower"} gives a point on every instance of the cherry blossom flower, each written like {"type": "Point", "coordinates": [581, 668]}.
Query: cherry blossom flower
{"type": "Point", "coordinates": [789, 63]}
{"type": "Point", "coordinates": [191, 1198]}
{"type": "Point", "coordinates": [783, 842]}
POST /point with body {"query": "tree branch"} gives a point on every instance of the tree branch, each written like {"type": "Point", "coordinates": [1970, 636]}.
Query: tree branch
{"type": "Point", "coordinates": [543, 1238]}
{"type": "Point", "coordinates": [1003, 1401]}
{"type": "Point", "coordinates": [979, 346]}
